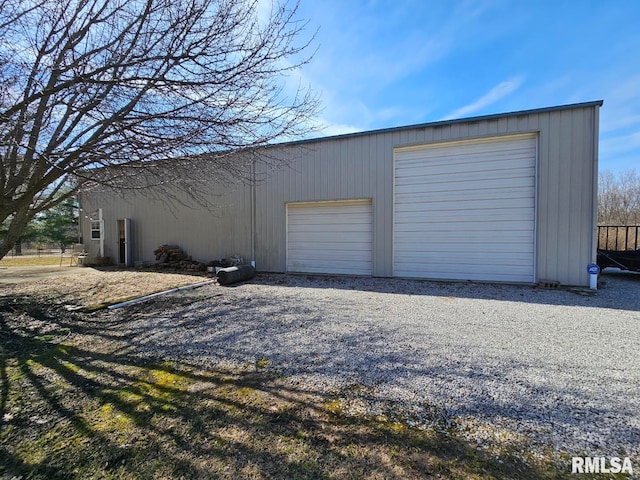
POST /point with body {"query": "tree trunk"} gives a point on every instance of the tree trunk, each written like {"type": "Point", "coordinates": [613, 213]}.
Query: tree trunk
{"type": "Point", "coordinates": [17, 225]}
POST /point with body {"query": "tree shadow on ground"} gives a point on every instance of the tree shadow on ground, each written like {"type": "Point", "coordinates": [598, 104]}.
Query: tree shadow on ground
{"type": "Point", "coordinates": [297, 335]}
{"type": "Point", "coordinates": [83, 411]}
{"type": "Point", "coordinates": [537, 393]}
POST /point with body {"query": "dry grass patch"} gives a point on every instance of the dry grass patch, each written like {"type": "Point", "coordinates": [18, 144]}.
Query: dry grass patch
{"type": "Point", "coordinates": [89, 286]}
{"type": "Point", "coordinates": [31, 261]}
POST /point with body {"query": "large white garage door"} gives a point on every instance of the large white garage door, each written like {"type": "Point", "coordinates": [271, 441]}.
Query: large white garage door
{"type": "Point", "coordinates": [330, 237]}
{"type": "Point", "coordinates": [466, 210]}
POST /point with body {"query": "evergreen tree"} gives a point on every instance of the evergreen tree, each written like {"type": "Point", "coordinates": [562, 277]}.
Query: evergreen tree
{"type": "Point", "coordinates": [60, 223]}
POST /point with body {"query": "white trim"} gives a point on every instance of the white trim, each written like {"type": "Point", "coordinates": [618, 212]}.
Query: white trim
{"type": "Point", "coordinates": [536, 209]}
{"type": "Point", "coordinates": [101, 231]}
{"type": "Point", "coordinates": [351, 201]}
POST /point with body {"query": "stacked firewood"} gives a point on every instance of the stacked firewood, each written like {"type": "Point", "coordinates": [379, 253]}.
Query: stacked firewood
{"type": "Point", "coordinates": [172, 256]}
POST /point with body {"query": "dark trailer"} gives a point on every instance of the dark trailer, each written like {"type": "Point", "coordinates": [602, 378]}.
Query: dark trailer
{"type": "Point", "coordinates": [619, 246]}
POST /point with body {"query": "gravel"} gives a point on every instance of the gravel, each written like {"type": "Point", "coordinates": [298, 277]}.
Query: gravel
{"type": "Point", "coordinates": [494, 362]}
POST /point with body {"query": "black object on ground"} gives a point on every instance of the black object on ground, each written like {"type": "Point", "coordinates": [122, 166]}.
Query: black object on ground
{"type": "Point", "coordinates": [227, 276]}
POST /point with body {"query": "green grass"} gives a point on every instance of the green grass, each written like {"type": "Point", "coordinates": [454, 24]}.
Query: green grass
{"type": "Point", "coordinates": [75, 412]}
{"type": "Point", "coordinates": [262, 363]}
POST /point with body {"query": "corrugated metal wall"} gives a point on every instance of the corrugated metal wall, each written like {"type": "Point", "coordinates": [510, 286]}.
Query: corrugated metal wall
{"type": "Point", "coordinates": [223, 231]}
{"type": "Point", "coordinates": [360, 166]}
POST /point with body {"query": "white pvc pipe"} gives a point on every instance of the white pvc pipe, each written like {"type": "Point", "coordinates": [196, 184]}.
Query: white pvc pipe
{"type": "Point", "coordinates": [593, 281]}
{"type": "Point", "coordinates": [153, 295]}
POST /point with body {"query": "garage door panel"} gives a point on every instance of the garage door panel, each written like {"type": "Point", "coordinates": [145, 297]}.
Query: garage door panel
{"type": "Point", "coordinates": [463, 258]}
{"type": "Point", "coordinates": [422, 196]}
{"type": "Point", "coordinates": [466, 211]}
{"type": "Point", "coordinates": [330, 221]}
{"type": "Point", "coordinates": [482, 176]}
{"type": "Point", "coordinates": [506, 163]}
{"type": "Point", "coordinates": [326, 268]}
{"type": "Point", "coordinates": [309, 226]}
{"type": "Point", "coordinates": [463, 185]}
{"type": "Point", "coordinates": [455, 216]}
{"type": "Point", "coordinates": [325, 264]}
{"type": "Point", "coordinates": [472, 152]}
{"type": "Point", "coordinates": [469, 204]}
{"type": "Point", "coordinates": [478, 231]}
{"type": "Point", "coordinates": [330, 237]}
{"type": "Point", "coordinates": [455, 154]}
{"type": "Point", "coordinates": [329, 218]}
{"type": "Point", "coordinates": [473, 249]}
{"type": "Point", "coordinates": [323, 237]}
{"type": "Point", "coordinates": [437, 158]}
{"type": "Point", "coordinates": [412, 223]}
{"type": "Point", "coordinates": [459, 269]}
{"type": "Point", "coordinates": [304, 256]}
{"type": "Point", "coordinates": [439, 240]}
{"type": "Point", "coordinates": [480, 274]}
{"type": "Point", "coordinates": [311, 230]}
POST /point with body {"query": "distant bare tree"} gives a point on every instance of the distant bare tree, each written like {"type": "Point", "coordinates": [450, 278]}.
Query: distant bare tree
{"type": "Point", "coordinates": [619, 198]}
{"type": "Point", "coordinates": [607, 198]}
{"type": "Point", "coordinates": [147, 88]}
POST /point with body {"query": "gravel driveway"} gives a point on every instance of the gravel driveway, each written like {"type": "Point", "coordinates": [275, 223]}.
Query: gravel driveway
{"type": "Point", "coordinates": [556, 366]}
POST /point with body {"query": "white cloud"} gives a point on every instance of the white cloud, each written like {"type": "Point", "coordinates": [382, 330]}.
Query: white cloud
{"type": "Point", "coordinates": [322, 128]}
{"type": "Point", "coordinates": [496, 93]}
{"type": "Point", "coordinates": [625, 90]}
{"type": "Point", "coordinates": [339, 129]}
{"type": "Point", "coordinates": [264, 11]}
{"type": "Point", "coordinates": [620, 144]}
{"type": "Point", "coordinates": [622, 99]}
{"type": "Point", "coordinates": [612, 122]}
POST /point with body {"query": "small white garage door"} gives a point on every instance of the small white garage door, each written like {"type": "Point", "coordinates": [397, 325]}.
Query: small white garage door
{"type": "Point", "coordinates": [330, 237]}
{"type": "Point", "coordinates": [466, 210]}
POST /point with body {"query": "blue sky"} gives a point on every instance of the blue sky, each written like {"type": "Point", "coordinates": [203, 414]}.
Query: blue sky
{"type": "Point", "coordinates": [392, 63]}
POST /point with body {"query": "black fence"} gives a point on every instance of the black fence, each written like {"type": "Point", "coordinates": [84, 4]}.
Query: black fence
{"type": "Point", "coordinates": [619, 238]}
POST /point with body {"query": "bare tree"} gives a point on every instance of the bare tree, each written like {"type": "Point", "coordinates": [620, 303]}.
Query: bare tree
{"type": "Point", "coordinates": [607, 198]}
{"type": "Point", "coordinates": [619, 198]}
{"type": "Point", "coordinates": [142, 87]}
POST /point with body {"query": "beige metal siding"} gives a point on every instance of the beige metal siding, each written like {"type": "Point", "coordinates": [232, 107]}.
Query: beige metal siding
{"type": "Point", "coordinates": [362, 166]}
{"type": "Point", "coordinates": [329, 237]}
{"type": "Point", "coordinates": [566, 172]}
{"type": "Point", "coordinates": [466, 210]}
{"type": "Point", "coordinates": [221, 231]}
